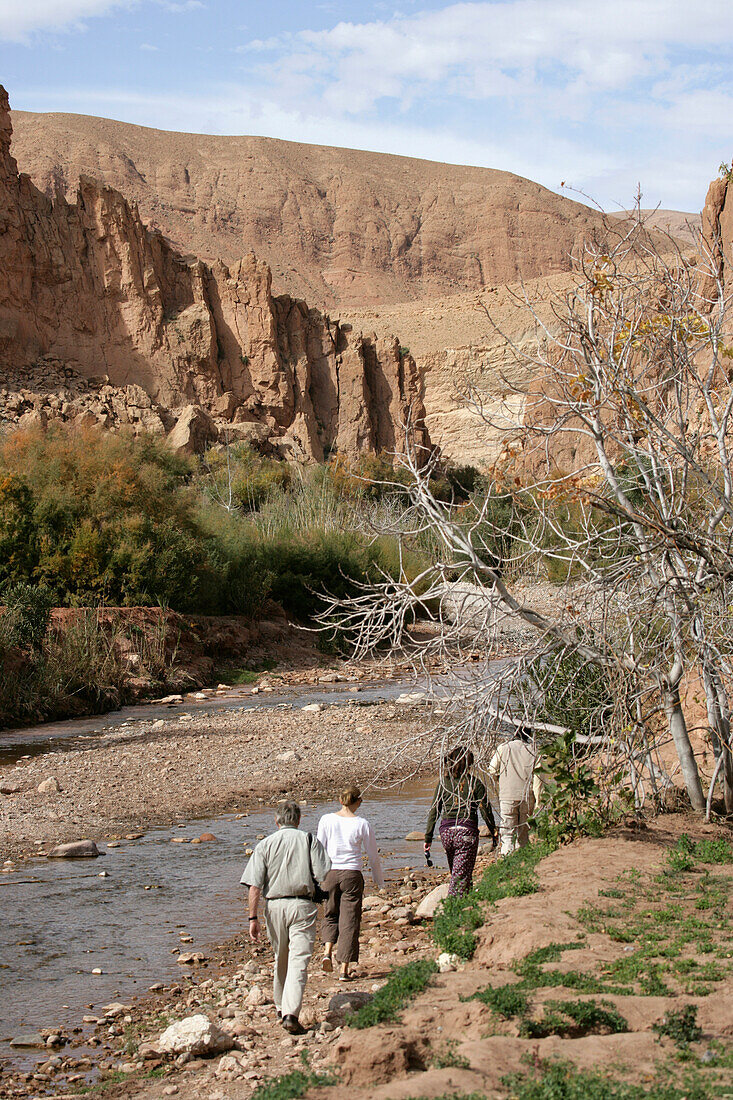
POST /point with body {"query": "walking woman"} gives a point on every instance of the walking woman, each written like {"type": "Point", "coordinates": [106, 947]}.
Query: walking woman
{"type": "Point", "coordinates": [345, 836]}
{"type": "Point", "coordinates": [458, 798]}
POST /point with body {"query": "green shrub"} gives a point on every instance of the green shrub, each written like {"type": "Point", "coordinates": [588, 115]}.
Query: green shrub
{"type": "Point", "coordinates": [27, 614]}
{"type": "Point", "coordinates": [403, 983]}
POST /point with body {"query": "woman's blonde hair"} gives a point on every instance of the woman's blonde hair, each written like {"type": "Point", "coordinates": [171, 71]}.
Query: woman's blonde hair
{"type": "Point", "coordinates": [350, 795]}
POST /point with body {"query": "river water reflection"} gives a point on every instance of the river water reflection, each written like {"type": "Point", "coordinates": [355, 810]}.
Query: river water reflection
{"type": "Point", "coordinates": [59, 920]}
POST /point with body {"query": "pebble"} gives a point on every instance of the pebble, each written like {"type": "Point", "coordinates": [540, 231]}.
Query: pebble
{"type": "Point", "coordinates": [97, 970]}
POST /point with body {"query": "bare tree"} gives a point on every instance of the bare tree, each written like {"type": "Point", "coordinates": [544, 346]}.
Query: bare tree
{"type": "Point", "coordinates": [620, 477]}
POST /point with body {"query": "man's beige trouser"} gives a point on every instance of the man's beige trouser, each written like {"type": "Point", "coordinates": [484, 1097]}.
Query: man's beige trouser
{"type": "Point", "coordinates": [291, 927]}
{"type": "Point", "coordinates": [514, 830]}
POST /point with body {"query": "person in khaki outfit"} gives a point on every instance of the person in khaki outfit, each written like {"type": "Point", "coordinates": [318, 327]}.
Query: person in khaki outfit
{"type": "Point", "coordinates": [513, 766]}
{"type": "Point", "coordinates": [283, 867]}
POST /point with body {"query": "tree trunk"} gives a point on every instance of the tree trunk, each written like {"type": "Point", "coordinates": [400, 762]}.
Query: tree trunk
{"type": "Point", "coordinates": [681, 738]}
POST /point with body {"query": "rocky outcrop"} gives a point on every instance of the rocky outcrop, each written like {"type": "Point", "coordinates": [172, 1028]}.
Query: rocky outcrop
{"type": "Point", "coordinates": [88, 292]}
{"type": "Point", "coordinates": [339, 227]}
{"type": "Point", "coordinates": [717, 234]}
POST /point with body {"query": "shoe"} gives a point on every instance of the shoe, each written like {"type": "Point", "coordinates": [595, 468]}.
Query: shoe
{"type": "Point", "coordinates": [327, 964]}
{"type": "Point", "coordinates": [293, 1025]}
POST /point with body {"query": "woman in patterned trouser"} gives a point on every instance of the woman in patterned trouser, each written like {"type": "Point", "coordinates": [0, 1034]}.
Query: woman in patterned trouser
{"type": "Point", "coordinates": [458, 798]}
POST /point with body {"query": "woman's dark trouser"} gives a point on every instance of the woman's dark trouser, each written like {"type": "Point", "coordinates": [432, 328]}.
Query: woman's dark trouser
{"type": "Point", "coordinates": [342, 913]}
{"type": "Point", "coordinates": [461, 848]}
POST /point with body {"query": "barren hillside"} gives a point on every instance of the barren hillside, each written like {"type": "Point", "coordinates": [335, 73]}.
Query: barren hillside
{"type": "Point", "coordinates": [337, 226]}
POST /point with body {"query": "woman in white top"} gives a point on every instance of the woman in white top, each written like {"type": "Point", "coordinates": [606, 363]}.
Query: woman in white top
{"type": "Point", "coordinates": [345, 836]}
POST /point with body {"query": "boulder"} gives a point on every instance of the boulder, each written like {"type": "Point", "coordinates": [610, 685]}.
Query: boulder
{"type": "Point", "coordinates": [75, 849]}
{"type": "Point", "coordinates": [256, 997]}
{"type": "Point", "coordinates": [49, 786]}
{"type": "Point", "coordinates": [343, 1003]}
{"type": "Point", "coordinates": [193, 431]}
{"type": "Point", "coordinates": [10, 786]}
{"type": "Point", "coordinates": [191, 958]}
{"type": "Point", "coordinates": [312, 708]}
{"type": "Point", "coordinates": [197, 1036]}
{"type": "Point", "coordinates": [415, 835]}
{"type": "Point", "coordinates": [428, 905]}
{"type": "Point", "coordinates": [34, 1039]}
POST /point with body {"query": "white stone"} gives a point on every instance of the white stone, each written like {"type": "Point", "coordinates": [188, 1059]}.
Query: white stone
{"type": "Point", "coordinates": [287, 757]}
{"type": "Point", "coordinates": [447, 962]}
{"type": "Point", "coordinates": [172, 699]}
{"type": "Point", "coordinates": [197, 1036]}
{"type": "Point", "coordinates": [408, 698]}
{"type": "Point", "coordinates": [428, 905]}
{"type": "Point", "coordinates": [312, 708]}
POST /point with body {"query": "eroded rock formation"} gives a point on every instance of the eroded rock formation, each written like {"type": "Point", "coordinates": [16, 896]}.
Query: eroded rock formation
{"type": "Point", "coordinates": [134, 331]}
{"type": "Point", "coordinates": [339, 227]}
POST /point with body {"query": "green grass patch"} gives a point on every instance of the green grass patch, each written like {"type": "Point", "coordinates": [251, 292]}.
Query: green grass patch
{"type": "Point", "coordinates": [291, 1086]}
{"type": "Point", "coordinates": [680, 1025]}
{"type": "Point", "coordinates": [238, 676]}
{"type": "Point", "coordinates": [403, 983]}
{"type": "Point", "coordinates": [505, 1000]}
{"type": "Point", "coordinates": [563, 1081]}
{"type": "Point", "coordinates": [572, 1019]}
{"type": "Point", "coordinates": [457, 919]}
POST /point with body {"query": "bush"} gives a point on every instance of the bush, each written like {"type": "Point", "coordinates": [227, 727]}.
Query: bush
{"type": "Point", "coordinates": [27, 615]}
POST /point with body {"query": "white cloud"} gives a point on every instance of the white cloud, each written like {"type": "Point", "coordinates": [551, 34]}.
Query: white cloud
{"type": "Point", "coordinates": [19, 18]}
{"type": "Point", "coordinates": [520, 45]}
{"type": "Point", "coordinates": [148, 47]}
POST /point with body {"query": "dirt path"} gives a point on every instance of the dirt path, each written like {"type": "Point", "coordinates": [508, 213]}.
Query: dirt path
{"type": "Point", "coordinates": [651, 929]}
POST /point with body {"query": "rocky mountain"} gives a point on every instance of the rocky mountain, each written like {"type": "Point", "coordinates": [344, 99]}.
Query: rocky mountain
{"type": "Point", "coordinates": [338, 227]}
{"type": "Point", "coordinates": [101, 318]}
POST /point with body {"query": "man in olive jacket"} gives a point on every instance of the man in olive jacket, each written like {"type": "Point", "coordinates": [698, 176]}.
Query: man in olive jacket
{"type": "Point", "coordinates": [283, 867]}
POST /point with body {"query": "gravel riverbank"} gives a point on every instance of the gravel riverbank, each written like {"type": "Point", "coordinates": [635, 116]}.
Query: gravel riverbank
{"type": "Point", "coordinates": [171, 770]}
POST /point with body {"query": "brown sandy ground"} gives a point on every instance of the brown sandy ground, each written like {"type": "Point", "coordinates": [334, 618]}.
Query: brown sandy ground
{"type": "Point", "coordinates": [611, 897]}
{"type": "Point", "coordinates": [174, 769]}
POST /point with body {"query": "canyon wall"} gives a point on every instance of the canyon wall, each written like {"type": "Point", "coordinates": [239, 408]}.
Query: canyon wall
{"type": "Point", "coordinates": [98, 307]}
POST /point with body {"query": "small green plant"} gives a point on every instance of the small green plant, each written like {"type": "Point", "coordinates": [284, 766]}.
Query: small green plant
{"type": "Point", "coordinates": [505, 1000]}
{"type": "Point", "coordinates": [573, 1019]}
{"type": "Point", "coordinates": [403, 983]}
{"type": "Point", "coordinates": [563, 1081]}
{"type": "Point", "coordinates": [680, 1025]}
{"type": "Point", "coordinates": [291, 1086]}
{"type": "Point", "coordinates": [447, 1058]}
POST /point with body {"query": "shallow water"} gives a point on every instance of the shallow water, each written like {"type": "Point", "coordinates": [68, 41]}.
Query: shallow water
{"type": "Point", "coordinates": [60, 920]}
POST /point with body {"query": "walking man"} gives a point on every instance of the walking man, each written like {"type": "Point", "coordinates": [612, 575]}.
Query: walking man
{"type": "Point", "coordinates": [283, 867]}
{"type": "Point", "coordinates": [513, 767]}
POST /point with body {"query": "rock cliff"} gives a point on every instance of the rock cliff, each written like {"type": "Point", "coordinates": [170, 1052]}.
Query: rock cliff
{"type": "Point", "coordinates": [339, 227]}
{"type": "Point", "coordinates": [101, 317]}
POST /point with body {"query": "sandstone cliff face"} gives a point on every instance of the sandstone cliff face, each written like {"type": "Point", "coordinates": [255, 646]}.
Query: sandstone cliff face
{"type": "Point", "coordinates": [337, 226]}
{"type": "Point", "coordinates": [717, 231]}
{"type": "Point", "coordinates": [87, 290]}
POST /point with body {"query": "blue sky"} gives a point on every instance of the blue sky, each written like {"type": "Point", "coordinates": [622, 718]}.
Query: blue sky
{"type": "Point", "coordinates": [601, 95]}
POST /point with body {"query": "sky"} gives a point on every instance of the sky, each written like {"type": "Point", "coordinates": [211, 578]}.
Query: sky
{"type": "Point", "coordinates": [593, 98]}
